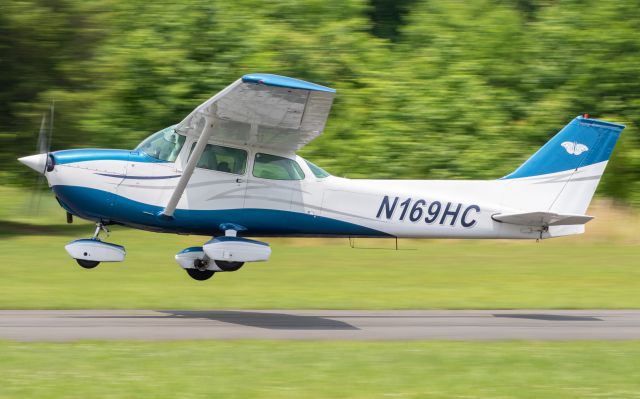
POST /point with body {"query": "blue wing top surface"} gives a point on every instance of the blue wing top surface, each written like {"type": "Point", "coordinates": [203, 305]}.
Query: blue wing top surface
{"type": "Point", "coordinates": [283, 81]}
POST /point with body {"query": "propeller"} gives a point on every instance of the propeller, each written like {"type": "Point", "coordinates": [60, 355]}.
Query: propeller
{"type": "Point", "coordinates": [44, 137]}
{"type": "Point", "coordinates": [41, 161]}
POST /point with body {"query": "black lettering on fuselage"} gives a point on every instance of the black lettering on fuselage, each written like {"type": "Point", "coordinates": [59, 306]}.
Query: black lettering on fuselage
{"type": "Point", "coordinates": [388, 209]}
{"type": "Point", "coordinates": [464, 221]}
{"type": "Point", "coordinates": [443, 213]}
{"type": "Point", "coordinates": [448, 212]}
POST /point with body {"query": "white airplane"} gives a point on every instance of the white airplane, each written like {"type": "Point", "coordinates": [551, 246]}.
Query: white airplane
{"type": "Point", "coordinates": [230, 170]}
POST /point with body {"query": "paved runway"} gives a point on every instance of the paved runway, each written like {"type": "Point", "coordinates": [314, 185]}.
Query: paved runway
{"type": "Point", "coordinates": [67, 325]}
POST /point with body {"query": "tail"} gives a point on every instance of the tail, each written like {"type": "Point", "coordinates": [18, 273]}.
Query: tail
{"type": "Point", "coordinates": [562, 176]}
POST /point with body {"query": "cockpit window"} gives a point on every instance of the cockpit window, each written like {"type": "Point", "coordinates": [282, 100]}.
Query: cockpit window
{"type": "Point", "coordinates": [317, 171]}
{"type": "Point", "coordinates": [273, 167]}
{"type": "Point", "coordinates": [164, 145]}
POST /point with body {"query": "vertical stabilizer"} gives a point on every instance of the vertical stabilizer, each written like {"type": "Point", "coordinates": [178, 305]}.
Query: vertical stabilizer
{"type": "Point", "coordinates": [563, 175]}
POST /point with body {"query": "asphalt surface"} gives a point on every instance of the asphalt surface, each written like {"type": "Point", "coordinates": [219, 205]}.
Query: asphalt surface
{"type": "Point", "coordinates": [68, 325]}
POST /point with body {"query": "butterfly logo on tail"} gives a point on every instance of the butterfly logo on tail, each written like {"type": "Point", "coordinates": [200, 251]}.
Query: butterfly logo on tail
{"type": "Point", "coordinates": [574, 148]}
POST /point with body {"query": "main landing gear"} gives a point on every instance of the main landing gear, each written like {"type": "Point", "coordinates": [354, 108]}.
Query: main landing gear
{"type": "Point", "coordinates": [200, 270]}
{"type": "Point", "coordinates": [88, 253]}
{"type": "Point", "coordinates": [221, 254]}
{"type": "Point", "coordinates": [199, 266]}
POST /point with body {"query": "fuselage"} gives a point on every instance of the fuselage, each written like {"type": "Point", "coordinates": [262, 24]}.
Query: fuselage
{"type": "Point", "coordinates": [267, 192]}
{"type": "Point", "coordinates": [130, 187]}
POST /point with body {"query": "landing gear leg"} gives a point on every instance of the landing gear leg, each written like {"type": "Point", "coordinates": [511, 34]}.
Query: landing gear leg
{"type": "Point", "coordinates": [100, 227]}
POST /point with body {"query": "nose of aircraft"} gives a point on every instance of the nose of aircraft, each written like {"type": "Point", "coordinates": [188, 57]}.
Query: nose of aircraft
{"type": "Point", "coordinates": [36, 162]}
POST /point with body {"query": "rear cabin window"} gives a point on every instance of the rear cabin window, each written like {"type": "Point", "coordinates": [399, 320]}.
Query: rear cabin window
{"type": "Point", "coordinates": [223, 159]}
{"type": "Point", "coordinates": [164, 145]}
{"type": "Point", "coordinates": [273, 167]}
{"type": "Point", "coordinates": [317, 171]}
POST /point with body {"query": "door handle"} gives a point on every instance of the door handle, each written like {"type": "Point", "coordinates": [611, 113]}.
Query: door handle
{"type": "Point", "coordinates": [239, 180]}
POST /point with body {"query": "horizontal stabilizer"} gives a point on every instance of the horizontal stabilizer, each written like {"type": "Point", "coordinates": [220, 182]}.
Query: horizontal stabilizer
{"type": "Point", "coordinates": [541, 219]}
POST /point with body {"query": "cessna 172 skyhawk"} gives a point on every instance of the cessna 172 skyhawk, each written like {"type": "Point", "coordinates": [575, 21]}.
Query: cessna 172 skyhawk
{"type": "Point", "coordinates": [230, 170]}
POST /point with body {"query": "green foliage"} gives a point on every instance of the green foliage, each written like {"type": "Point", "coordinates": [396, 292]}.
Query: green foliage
{"type": "Point", "coordinates": [320, 369]}
{"type": "Point", "coordinates": [425, 89]}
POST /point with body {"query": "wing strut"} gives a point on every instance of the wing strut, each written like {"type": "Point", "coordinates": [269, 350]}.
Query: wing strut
{"type": "Point", "coordinates": [205, 110]}
{"type": "Point", "coordinates": [207, 130]}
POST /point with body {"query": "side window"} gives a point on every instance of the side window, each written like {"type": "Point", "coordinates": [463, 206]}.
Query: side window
{"type": "Point", "coordinates": [317, 171]}
{"type": "Point", "coordinates": [222, 159]}
{"type": "Point", "coordinates": [273, 167]}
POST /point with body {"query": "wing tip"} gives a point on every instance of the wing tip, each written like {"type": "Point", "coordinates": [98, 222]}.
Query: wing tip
{"type": "Point", "coordinates": [284, 81]}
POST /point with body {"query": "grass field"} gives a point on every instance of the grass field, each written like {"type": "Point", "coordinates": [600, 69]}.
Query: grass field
{"type": "Point", "coordinates": [256, 369]}
{"type": "Point", "coordinates": [594, 271]}
{"type": "Point", "coordinates": [303, 273]}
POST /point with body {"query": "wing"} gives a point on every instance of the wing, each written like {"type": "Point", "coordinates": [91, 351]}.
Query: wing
{"type": "Point", "coordinates": [260, 110]}
{"type": "Point", "coordinates": [541, 219]}
{"type": "Point", "coordinates": [264, 110]}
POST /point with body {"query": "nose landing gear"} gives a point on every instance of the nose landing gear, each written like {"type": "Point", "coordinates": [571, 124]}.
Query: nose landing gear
{"type": "Point", "coordinates": [88, 253]}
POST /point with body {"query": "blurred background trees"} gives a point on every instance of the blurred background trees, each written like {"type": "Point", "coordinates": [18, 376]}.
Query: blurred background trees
{"type": "Point", "coordinates": [426, 89]}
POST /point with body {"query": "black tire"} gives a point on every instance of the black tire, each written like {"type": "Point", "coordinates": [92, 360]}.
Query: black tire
{"type": "Point", "coordinates": [87, 264]}
{"type": "Point", "coordinates": [200, 275]}
{"type": "Point", "coordinates": [229, 266]}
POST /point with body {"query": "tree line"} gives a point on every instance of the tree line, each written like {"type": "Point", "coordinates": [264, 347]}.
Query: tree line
{"type": "Point", "coordinates": [426, 89]}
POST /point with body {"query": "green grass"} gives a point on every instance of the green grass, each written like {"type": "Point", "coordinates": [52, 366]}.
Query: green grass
{"type": "Point", "coordinates": [257, 369]}
{"type": "Point", "coordinates": [563, 273]}
{"type": "Point", "coordinates": [37, 273]}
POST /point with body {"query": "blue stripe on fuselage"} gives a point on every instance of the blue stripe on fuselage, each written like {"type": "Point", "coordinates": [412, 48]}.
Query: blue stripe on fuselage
{"type": "Point", "coordinates": [91, 154]}
{"type": "Point", "coordinates": [98, 205]}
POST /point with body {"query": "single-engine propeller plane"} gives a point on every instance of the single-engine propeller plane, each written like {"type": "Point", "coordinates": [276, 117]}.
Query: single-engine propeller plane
{"type": "Point", "coordinates": [229, 170]}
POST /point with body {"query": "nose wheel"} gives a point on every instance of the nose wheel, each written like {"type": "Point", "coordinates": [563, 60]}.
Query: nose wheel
{"type": "Point", "coordinates": [87, 264]}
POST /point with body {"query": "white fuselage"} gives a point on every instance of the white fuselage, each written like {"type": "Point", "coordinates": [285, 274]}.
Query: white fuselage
{"type": "Point", "coordinates": [132, 189]}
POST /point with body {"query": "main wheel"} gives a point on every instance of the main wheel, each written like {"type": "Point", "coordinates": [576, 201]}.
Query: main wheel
{"type": "Point", "coordinates": [229, 266]}
{"type": "Point", "coordinates": [87, 264]}
{"type": "Point", "coordinates": [200, 275]}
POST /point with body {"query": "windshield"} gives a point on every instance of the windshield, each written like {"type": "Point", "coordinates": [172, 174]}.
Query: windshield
{"type": "Point", "coordinates": [164, 145]}
{"type": "Point", "coordinates": [317, 171]}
